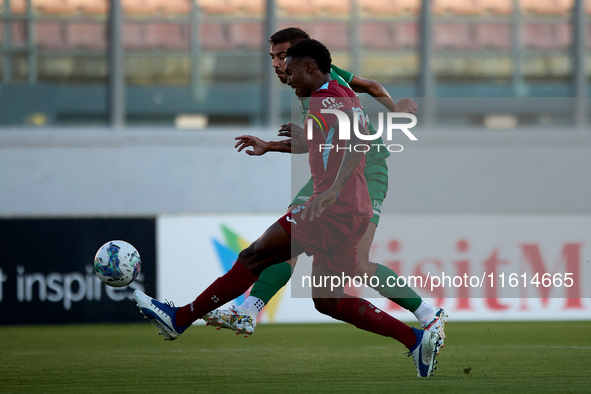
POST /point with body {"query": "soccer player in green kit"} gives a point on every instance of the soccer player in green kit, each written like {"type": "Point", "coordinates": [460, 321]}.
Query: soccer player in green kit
{"type": "Point", "coordinates": [242, 318]}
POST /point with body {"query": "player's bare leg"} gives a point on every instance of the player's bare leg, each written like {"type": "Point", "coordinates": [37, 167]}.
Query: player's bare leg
{"type": "Point", "coordinates": [242, 318]}
{"type": "Point", "coordinates": [429, 317]}
{"type": "Point", "coordinates": [273, 247]}
{"type": "Point", "coordinates": [423, 345]}
{"type": "Point", "coordinates": [365, 266]}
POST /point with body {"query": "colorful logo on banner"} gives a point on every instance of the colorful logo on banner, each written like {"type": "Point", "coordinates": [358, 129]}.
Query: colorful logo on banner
{"type": "Point", "coordinates": [228, 253]}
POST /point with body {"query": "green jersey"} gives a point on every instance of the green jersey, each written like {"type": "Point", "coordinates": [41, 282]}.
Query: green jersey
{"type": "Point", "coordinates": [344, 78]}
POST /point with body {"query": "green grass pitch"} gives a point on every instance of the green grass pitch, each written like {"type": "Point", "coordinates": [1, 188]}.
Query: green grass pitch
{"type": "Point", "coordinates": [132, 358]}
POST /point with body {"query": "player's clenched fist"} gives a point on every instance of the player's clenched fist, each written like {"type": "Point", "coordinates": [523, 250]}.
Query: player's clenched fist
{"type": "Point", "coordinates": [406, 105]}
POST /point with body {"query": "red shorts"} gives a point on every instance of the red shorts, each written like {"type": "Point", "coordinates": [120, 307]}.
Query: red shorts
{"type": "Point", "coordinates": [331, 239]}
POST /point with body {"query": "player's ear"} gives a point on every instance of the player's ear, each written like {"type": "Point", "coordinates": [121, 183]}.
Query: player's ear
{"type": "Point", "coordinates": [309, 66]}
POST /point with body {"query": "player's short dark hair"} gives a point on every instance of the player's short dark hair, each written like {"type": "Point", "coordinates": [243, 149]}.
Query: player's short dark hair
{"type": "Point", "coordinates": [290, 34]}
{"type": "Point", "coordinates": [313, 49]}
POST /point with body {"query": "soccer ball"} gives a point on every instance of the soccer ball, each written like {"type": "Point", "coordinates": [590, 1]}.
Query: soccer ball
{"type": "Point", "coordinates": [117, 263]}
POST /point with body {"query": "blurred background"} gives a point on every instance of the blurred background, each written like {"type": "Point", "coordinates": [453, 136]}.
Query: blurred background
{"type": "Point", "coordinates": [118, 119]}
{"type": "Point", "coordinates": [149, 62]}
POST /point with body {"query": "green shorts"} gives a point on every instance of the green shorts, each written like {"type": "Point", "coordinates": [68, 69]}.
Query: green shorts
{"type": "Point", "coordinates": [376, 176]}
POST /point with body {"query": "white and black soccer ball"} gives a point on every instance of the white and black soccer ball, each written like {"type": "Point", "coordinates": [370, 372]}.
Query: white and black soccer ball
{"type": "Point", "coordinates": [117, 263]}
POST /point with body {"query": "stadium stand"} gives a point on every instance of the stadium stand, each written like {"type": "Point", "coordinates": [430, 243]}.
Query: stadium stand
{"type": "Point", "coordinates": [249, 7]}
{"type": "Point", "coordinates": [216, 6]}
{"type": "Point", "coordinates": [171, 7]}
{"type": "Point", "coordinates": [332, 34]}
{"type": "Point", "coordinates": [246, 35]}
{"type": "Point", "coordinates": [540, 36]}
{"type": "Point", "coordinates": [457, 7]}
{"type": "Point", "coordinates": [454, 36]}
{"type": "Point", "coordinates": [138, 7]}
{"type": "Point", "coordinates": [16, 6]}
{"type": "Point", "coordinates": [378, 36]}
{"type": "Point", "coordinates": [134, 36]}
{"type": "Point", "coordinates": [496, 7]}
{"type": "Point", "coordinates": [411, 7]}
{"type": "Point", "coordinates": [51, 35]}
{"type": "Point", "coordinates": [54, 7]}
{"type": "Point", "coordinates": [544, 7]}
{"type": "Point", "coordinates": [232, 28]}
{"type": "Point", "coordinates": [303, 7]}
{"type": "Point", "coordinates": [494, 36]}
{"type": "Point", "coordinates": [167, 36]}
{"type": "Point", "coordinates": [91, 36]}
{"type": "Point", "coordinates": [90, 7]}
{"type": "Point", "coordinates": [380, 7]}
{"type": "Point", "coordinates": [563, 35]}
{"type": "Point", "coordinates": [18, 35]}
{"type": "Point", "coordinates": [214, 36]}
{"type": "Point", "coordinates": [406, 34]}
{"type": "Point", "coordinates": [334, 7]}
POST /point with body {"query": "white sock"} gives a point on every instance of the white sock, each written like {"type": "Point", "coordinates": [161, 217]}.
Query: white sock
{"type": "Point", "coordinates": [424, 313]}
{"type": "Point", "coordinates": [253, 304]}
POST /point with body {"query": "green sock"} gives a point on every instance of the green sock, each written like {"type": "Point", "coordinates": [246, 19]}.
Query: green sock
{"type": "Point", "coordinates": [271, 280]}
{"type": "Point", "coordinates": [403, 296]}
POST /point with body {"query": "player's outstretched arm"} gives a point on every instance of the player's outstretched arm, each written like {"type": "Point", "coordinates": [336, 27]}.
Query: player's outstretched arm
{"type": "Point", "coordinates": [260, 147]}
{"type": "Point", "coordinates": [351, 159]}
{"type": "Point", "coordinates": [375, 89]}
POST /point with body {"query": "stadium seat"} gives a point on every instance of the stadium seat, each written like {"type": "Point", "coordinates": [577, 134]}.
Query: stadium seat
{"type": "Point", "coordinates": [497, 7]}
{"type": "Point", "coordinates": [457, 7]}
{"type": "Point", "coordinates": [454, 36]}
{"type": "Point", "coordinates": [406, 35]}
{"type": "Point", "coordinates": [214, 36]}
{"type": "Point", "coordinates": [377, 36]}
{"type": "Point", "coordinates": [539, 36]}
{"type": "Point", "coordinates": [93, 7]}
{"type": "Point", "coordinates": [542, 7]}
{"type": "Point", "coordinates": [333, 34]}
{"type": "Point", "coordinates": [134, 36]}
{"type": "Point", "coordinates": [494, 36]}
{"type": "Point", "coordinates": [247, 35]}
{"type": "Point", "coordinates": [169, 36]}
{"type": "Point", "coordinates": [51, 35]}
{"type": "Point", "coordinates": [87, 35]}
{"type": "Point", "coordinates": [563, 34]}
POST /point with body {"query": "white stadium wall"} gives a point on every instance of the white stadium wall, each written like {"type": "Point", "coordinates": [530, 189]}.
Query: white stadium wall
{"type": "Point", "coordinates": [517, 202]}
